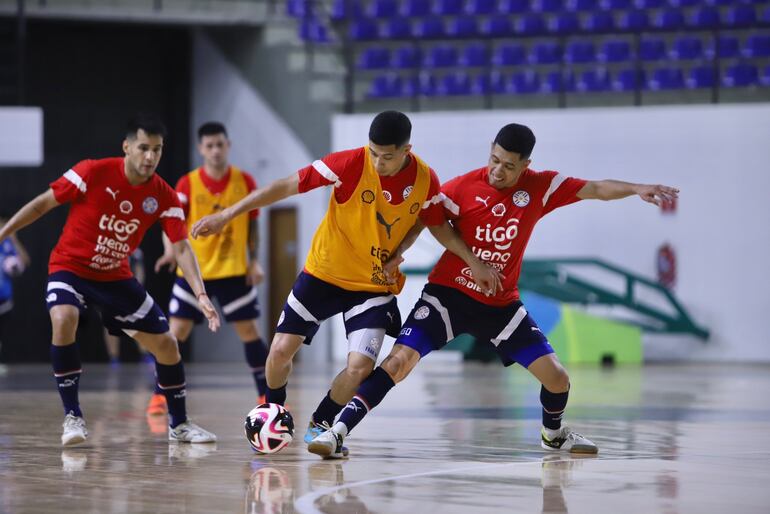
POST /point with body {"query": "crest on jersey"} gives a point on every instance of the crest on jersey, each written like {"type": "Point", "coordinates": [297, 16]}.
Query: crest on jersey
{"type": "Point", "coordinates": [387, 196]}
{"type": "Point", "coordinates": [407, 191]}
{"type": "Point", "coordinates": [422, 312]}
{"type": "Point", "coordinates": [126, 207]}
{"type": "Point", "coordinates": [498, 210]}
{"type": "Point", "coordinates": [150, 205]}
{"type": "Point", "coordinates": [521, 198]}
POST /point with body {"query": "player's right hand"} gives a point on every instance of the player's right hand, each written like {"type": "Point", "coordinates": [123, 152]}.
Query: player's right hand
{"type": "Point", "coordinates": [208, 225]}
{"type": "Point", "coordinates": [165, 260]}
{"type": "Point", "coordinates": [487, 278]}
{"type": "Point", "coordinates": [390, 269]}
{"type": "Point", "coordinates": [209, 311]}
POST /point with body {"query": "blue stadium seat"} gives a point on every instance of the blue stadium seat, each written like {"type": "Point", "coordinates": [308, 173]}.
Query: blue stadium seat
{"type": "Point", "coordinates": [634, 21]}
{"type": "Point", "coordinates": [615, 5]}
{"type": "Point", "coordinates": [430, 28]}
{"type": "Point", "coordinates": [649, 4]}
{"type": "Point", "coordinates": [652, 49]}
{"type": "Point", "coordinates": [343, 10]}
{"type": "Point", "coordinates": [299, 8]}
{"type": "Point", "coordinates": [313, 30]}
{"type": "Point", "coordinates": [683, 3]}
{"type": "Point", "coordinates": [764, 18]}
{"type": "Point", "coordinates": [578, 52]}
{"type": "Point", "coordinates": [509, 54]}
{"type": "Point", "coordinates": [497, 26]}
{"type": "Point", "coordinates": [525, 82]}
{"type": "Point", "coordinates": [463, 27]}
{"type": "Point", "coordinates": [666, 78]}
{"type": "Point", "coordinates": [686, 48]}
{"type": "Point", "coordinates": [513, 6]}
{"type": "Point", "coordinates": [448, 7]}
{"type": "Point", "coordinates": [545, 52]}
{"type": "Point", "coordinates": [757, 45]}
{"type": "Point", "coordinates": [383, 8]}
{"type": "Point", "coordinates": [594, 81]}
{"type": "Point", "coordinates": [720, 3]}
{"type": "Point", "coordinates": [441, 56]}
{"type": "Point", "coordinates": [374, 58]}
{"type": "Point", "coordinates": [628, 80]}
{"type": "Point", "coordinates": [705, 18]}
{"type": "Point", "coordinates": [475, 55]}
{"type": "Point", "coordinates": [416, 8]}
{"type": "Point", "coordinates": [406, 57]}
{"type": "Point", "coordinates": [494, 83]}
{"type": "Point", "coordinates": [556, 82]}
{"type": "Point", "coordinates": [478, 7]}
{"type": "Point", "coordinates": [615, 51]}
{"type": "Point", "coordinates": [740, 75]}
{"type": "Point", "coordinates": [599, 22]}
{"type": "Point", "coordinates": [669, 19]}
{"type": "Point", "coordinates": [581, 5]}
{"type": "Point", "coordinates": [741, 16]}
{"type": "Point", "coordinates": [363, 30]}
{"type": "Point", "coordinates": [530, 25]}
{"type": "Point", "coordinates": [385, 86]}
{"type": "Point", "coordinates": [422, 85]}
{"type": "Point", "coordinates": [564, 23]}
{"type": "Point", "coordinates": [397, 28]}
{"type": "Point", "coordinates": [701, 77]}
{"type": "Point", "coordinates": [454, 84]}
{"type": "Point", "coordinates": [728, 47]}
{"type": "Point", "coordinates": [547, 6]}
{"type": "Point", "coordinates": [764, 79]}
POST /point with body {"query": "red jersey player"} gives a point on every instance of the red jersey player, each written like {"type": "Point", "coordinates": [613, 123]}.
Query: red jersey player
{"type": "Point", "coordinates": [112, 204]}
{"type": "Point", "coordinates": [494, 209]}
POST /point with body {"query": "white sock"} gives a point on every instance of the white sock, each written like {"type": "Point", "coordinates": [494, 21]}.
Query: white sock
{"type": "Point", "coordinates": [340, 428]}
{"type": "Point", "coordinates": [550, 433]}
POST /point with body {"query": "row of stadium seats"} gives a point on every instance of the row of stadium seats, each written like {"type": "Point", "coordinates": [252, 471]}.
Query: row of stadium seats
{"type": "Point", "coordinates": [341, 9]}
{"type": "Point", "coordinates": [552, 52]}
{"type": "Point", "coordinates": [393, 85]}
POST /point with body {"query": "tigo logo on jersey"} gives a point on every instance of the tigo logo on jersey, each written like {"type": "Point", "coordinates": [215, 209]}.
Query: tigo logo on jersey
{"type": "Point", "coordinates": [502, 237]}
{"type": "Point", "coordinates": [126, 207]}
{"type": "Point", "coordinates": [498, 210]}
{"type": "Point", "coordinates": [521, 198]}
{"type": "Point", "coordinates": [150, 205]}
{"type": "Point", "coordinates": [121, 228]}
{"type": "Point", "coordinates": [422, 312]}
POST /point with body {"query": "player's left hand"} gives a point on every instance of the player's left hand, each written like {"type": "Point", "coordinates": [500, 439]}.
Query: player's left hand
{"type": "Point", "coordinates": [390, 269]}
{"type": "Point", "coordinates": [657, 194]}
{"type": "Point", "coordinates": [209, 311]}
{"type": "Point", "coordinates": [208, 225]}
{"type": "Point", "coordinates": [255, 274]}
{"type": "Point", "coordinates": [487, 278]}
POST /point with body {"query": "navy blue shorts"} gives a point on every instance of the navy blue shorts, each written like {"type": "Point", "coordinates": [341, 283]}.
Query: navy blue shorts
{"type": "Point", "coordinates": [312, 300]}
{"type": "Point", "coordinates": [237, 299]}
{"type": "Point", "coordinates": [125, 304]}
{"type": "Point", "coordinates": [442, 313]}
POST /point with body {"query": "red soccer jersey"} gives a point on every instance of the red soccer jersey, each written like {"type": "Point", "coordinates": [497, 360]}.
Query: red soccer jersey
{"type": "Point", "coordinates": [214, 186]}
{"type": "Point", "coordinates": [344, 169]}
{"type": "Point", "coordinates": [108, 218]}
{"type": "Point", "coordinates": [496, 224]}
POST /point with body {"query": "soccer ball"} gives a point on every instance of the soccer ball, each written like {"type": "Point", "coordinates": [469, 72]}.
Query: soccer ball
{"type": "Point", "coordinates": [13, 266]}
{"type": "Point", "coordinates": [269, 428]}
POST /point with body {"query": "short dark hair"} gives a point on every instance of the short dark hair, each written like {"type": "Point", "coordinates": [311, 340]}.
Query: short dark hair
{"type": "Point", "coordinates": [390, 128]}
{"type": "Point", "coordinates": [211, 128]}
{"type": "Point", "coordinates": [517, 139]}
{"type": "Point", "coordinates": [150, 123]}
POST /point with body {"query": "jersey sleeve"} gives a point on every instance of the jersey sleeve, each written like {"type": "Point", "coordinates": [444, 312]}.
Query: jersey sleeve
{"type": "Point", "coordinates": [432, 212]}
{"type": "Point", "coordinates": [450, 199]}
{"type": "Point", "coordinates": [251, 185]}
{"type": "Point", "coordinates": [340, 168]}
{"type": "Point", "coordinates": [183, 193]}
{"type": "Point", "coordinates": [560, 190]}
{"type": "Point", "coordinates": [74, 183]}
{"type": "Point", "coordinates": [172, 217]}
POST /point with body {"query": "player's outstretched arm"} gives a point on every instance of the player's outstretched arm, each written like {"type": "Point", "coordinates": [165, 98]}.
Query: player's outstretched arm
{"type": "Point", "coordinates": [168, 259]}
{"type": "Point", "coordinates": [616, 189]}
{"type": "Point", "coordinates": [262, 197]}
{"type": "Point", "coordinates": [192, 273]}
{"type": "Point", "coordinates": [488, 279]}
{"type": "Point", "coordinates": [30, 213]}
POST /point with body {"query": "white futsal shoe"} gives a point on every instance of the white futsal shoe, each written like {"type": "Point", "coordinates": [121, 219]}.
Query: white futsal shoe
{"type": "Point", "coordinates": [328, 445]}
{"type": "Point", "coordinates": [566, 439]}
{"type": "Point", "coordinates": [74, 430]}
{"type": "Point", "coordinates": [189, 432]}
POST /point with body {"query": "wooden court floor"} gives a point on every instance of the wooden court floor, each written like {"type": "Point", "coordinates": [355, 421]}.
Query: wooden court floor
{"type": "Point", "coordinates": [453, 438]}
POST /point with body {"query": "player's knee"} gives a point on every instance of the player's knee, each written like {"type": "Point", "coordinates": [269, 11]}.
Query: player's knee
{"type": "Point", "coordinates": [279, 354]}
{"type": "Point", "coordinates": [397, 367]}
{"type": "Point", "coordinates": [358, 372]}
{"type": "Point", "coordinates": [167, 350]}
{"type": "Point", "coordinates": [64, 319]}
{"type": "Point", "coordinates": [558, 382]}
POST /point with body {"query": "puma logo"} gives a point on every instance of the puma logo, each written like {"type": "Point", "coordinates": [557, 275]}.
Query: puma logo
{"type": "Point", "coordinates": [112, 193]}
{"type": "Point", "coordinates": [483, 200]}
{"type": "Point", "coordinates": [352, 405]}
{"type": "Point", "coordinates": [390, 316]}
{"type": "Point", "coordinates": [385, 224]}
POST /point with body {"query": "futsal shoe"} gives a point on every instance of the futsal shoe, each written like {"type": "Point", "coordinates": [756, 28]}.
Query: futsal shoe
{"type": "Point", "coordinates": [328, 445]}
{"type": "Point", "coordinates": [157, 406]}
{"type": "Point", "coordinates": [315, 429]}
{"type": "Point", "coordinates": [566, 439]}
{"type": "Point", "coordinates": [189, 432]}
{"type": "Point", "coordinates": [74, 430]}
